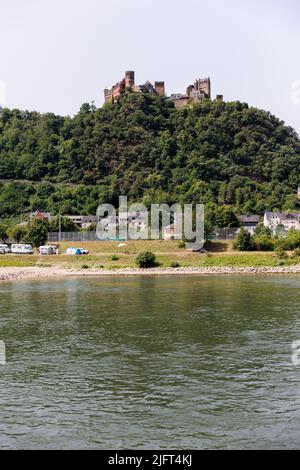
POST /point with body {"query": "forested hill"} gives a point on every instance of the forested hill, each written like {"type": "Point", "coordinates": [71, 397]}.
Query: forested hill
{"type": "Point", "coordinates": [222, 153]}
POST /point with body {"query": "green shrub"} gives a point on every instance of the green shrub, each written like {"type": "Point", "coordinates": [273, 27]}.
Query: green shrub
{"type": "Point", "coordinates": [146, 259]}
{"type": "Point", "coordinates": [280, 262]}
{"type": "Point", "coordinates": [263, 243]}
{"type": "Point", "coordinates": [181, 244]}
{"type": "Point", "coordinates": [281, 254]}
{"type": "Point", "coordinates": [85, 266]}
{"type": "Point", "coordinates": [243, 241]}
{"type": "Point", "coordinates": [296, 253]}
{"type": "Point", "coordinates": [174, 264]}
{"type": "Point", "coordinates": [115, 258]}
{"type": "Point", "coordinates": [291, 241]}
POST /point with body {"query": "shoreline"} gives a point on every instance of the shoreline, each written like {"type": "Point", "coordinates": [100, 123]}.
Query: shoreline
{"type": "Point", "coordinates": [18, 274]}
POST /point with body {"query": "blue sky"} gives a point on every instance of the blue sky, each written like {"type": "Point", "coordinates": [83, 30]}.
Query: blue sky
{"type": "Point", "coordinates": [57, 54]}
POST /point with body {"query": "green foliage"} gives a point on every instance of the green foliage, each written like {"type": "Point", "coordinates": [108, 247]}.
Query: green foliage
{"type": "Point", "coordinates": [38, 233]}
{"type": "Point", "coordinates": [281, 254]}
{"type": "Point", "coordinates": [174, 264]}
{"type": "Point", "coordinates": [296, 254]}
{"type": "Point", "coordinates": [3, 233]}
{"type": "Point", "coordinates": [17, 233]}
{"type": "Point", "coordinates": [243, 241]}
{"type": "Point", "coordinates": [146, 259]}
{"type": "Point", "coordinates": [291, 241]}
{"type": "Point", "coordinates": [262, 242]}
{"type": "Point", "coordinates": [115, 258]}
{"type": "Point", "coordinates": [239, 159]}
{"type": "Point", "coordinates": [67, 225]}
{"type": "Point", "coordinates": [260, 230]}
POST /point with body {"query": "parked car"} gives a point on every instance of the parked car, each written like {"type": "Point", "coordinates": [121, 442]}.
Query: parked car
{"type": "Point", "coordinates": [48, 250]}
{"type": "Point", "coordinates": [4, 249]}
{"type": "Point", "coordinates": [84, 251]}
{"type": "Point", "coordinates": [74, 251]}
{"type": "Point", "coordinates": [22, 249]}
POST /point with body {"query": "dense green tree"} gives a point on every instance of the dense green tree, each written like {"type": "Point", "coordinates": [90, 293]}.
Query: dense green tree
{"type": "Point", "coordinates": [243, 241]}
{"type": "Point", "coordinates": [17, 233]}
{"type": "Point", "coordinates": [228, 154]}
{"type": "Point", "coordinates": [38, 233]}
{"type": "Point", "coordinates": [67, 225]}
{"type": "Point", "coordinates": [3, 232]}
{"type": "Point", "coordinates": [260, 229]}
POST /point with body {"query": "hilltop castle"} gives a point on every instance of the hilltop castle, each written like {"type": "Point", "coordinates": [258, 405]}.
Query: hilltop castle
{"type": "Point", "coordinates": [200, 90]}
{"type": "Point", "coordinates": [128, 83]}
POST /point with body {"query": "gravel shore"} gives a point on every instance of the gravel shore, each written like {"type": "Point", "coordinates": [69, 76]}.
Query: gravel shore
{"type": "Point", "coordinates": [16, 273]}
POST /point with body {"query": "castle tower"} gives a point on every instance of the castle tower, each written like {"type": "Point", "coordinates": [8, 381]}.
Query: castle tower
{"type": "Point", "coordinates": [189, 90]}
{"type": "Point", "coordinates": [204, 86]}
{"type": "Point", "coordinates": [160, 88]}
{"type": "Point", "coordinates": [129, 79]}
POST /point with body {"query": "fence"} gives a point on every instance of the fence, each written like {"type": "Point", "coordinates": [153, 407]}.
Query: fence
{"type": "Point", "coordinates": [56, 237]}
{"type": "Point", "coordinates": [225, 233]}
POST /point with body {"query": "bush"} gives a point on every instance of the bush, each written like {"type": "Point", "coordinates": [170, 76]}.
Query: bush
{"type": "Point", "coordinates": [38, 233]}
{"type": "Point", "coordinates": [291, 241]}
{"type": "Point", "coordinates": [243, 241]}
{"type": "Point", "coordinates": [280, 262]}
{"type": "Point", "coordinates": [115, 258]}
{"type": "Point", "coordinates": [175, 265]}
{"type": "Point", "coordinates": [263, 243]}
{"type": "Point", "coordinates": [146, 259]}
{"type": "Point", "coordinates": [296, 253]}
{"type": "Point", "coordinates": [260, 229]}
{"type": "Point", "coordinates": [85, 266]}
{"type": "Point", "coordinates": [281, 254]}
{"type": "Point", "coordinates": [181, 244]}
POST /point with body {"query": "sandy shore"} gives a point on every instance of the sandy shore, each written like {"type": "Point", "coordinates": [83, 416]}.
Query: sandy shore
{"type": "Point", "coordinates": [16, 273]}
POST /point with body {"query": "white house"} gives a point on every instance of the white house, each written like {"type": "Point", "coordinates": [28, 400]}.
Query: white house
{"type": "Point", "coordinates": [287, 220]}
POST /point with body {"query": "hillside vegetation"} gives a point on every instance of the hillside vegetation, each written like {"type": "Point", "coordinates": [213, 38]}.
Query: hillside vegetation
{"type": "Point", "coordinates": [221, 154]}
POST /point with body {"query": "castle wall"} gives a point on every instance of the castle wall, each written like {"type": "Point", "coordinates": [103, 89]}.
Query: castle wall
{"type": "Point", "coordinates": [159, 88]}
{"type": "Point", "coordinates": [200, 90]}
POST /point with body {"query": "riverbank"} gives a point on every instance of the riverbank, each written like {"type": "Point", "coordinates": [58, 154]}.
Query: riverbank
{"type": "Point", "coordinates": [17, 274]}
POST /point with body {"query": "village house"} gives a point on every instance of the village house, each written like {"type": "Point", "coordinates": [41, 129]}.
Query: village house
{"type": "Point", "coordinates": [137, 221]}
{"type": "Point", "coordinates": [249, 222]}
{"type": "Point", "coordinates": [83, 221]}
{"type": "Point", "coordinates": [285, 219]}
{"type": "Point", "coordinates": [43, 216]}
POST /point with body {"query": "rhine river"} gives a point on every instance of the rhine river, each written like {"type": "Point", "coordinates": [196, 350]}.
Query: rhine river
{"type": "Point", "coordinates": [150, 363]}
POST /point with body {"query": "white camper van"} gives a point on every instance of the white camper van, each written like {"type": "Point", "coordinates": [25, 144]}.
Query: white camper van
{"type": "Point", "coordinates": [48, 250]}
{"type": "Point", "coordinates": [22, 249]}
{"type": "Point", "coordinates": [4, 249]}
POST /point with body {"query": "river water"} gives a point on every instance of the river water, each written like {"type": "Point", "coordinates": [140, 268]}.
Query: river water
{"type": "Point", "coordinates": [158, 362]}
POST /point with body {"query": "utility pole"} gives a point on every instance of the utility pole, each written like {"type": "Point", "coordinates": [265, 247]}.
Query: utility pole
{"type": "Point", "coordinates": [59, 227]}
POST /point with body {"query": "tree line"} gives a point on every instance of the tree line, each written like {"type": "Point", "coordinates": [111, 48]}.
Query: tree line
{"type": "Point", "coordinates": [232, 157]}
